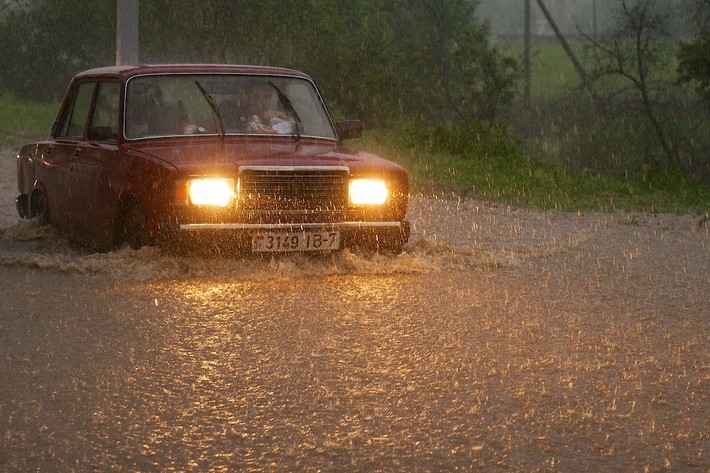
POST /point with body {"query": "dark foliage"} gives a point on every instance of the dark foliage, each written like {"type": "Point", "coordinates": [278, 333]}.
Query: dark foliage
{"type": "Point", "coordinates": [377, 60]}
{"type": "Point", "coordinates": [45, 43]}
{"type": "Point", "coordinates": [694, 64]}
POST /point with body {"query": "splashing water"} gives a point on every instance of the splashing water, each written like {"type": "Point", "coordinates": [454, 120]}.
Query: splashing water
{"type": "Point", "coordinates": [447, 233]}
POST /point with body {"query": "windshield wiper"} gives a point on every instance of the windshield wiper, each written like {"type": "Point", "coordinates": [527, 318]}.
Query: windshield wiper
{"type": "Point", "coordinates": [215, 108]}
{"type": "Point", "coordinates": [290, 110]}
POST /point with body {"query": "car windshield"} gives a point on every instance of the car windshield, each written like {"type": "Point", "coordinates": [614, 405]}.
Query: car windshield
{"type": "Point", "coordinates": [224, 104]}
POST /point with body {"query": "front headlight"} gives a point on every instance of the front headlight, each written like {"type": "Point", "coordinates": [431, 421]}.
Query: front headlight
{"type": "Point", "coordinates": [217, 192]}
{"type": "Point", "coordinates": [368, 192]}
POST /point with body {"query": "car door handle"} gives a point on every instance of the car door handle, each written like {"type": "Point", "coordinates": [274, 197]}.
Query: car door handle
{"type": "Point", "coordinates": [77, 152]}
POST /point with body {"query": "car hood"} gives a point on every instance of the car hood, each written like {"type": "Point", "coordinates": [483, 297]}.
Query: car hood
{"type": "Point", "coordinates": [199, 158]}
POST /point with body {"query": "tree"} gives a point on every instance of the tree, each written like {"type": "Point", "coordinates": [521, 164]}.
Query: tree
{"type": "Point", "coordinates": [378, 60]}
{"type": "Point", "coordinates": [694, 56]}
{"type": "Point", "coordinates": [45, 43]}
{"type": "Point", "coordinates": [447, 69]}
{"type": "Point", "coordinates": [630, 57]}
{"type": "Point", "coordinates": [694, 64]}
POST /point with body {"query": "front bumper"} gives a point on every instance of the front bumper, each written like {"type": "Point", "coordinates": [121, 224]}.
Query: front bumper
{"type": "Point", "coordinates": [385, 236]}
{"type": "Point", "coordinates": [292, 227]}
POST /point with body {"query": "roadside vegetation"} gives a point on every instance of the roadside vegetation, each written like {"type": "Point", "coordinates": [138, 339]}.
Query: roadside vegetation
{"type": "Point", "coordinates": [523, 179]}
{"type": "Point", "coordinates": [448, 105]}
{"type": "Point", "coordinates": [24, 121]}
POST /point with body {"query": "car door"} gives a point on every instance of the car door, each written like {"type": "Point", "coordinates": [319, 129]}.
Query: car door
{"type": "Point", "coordinates": [62, 191]}
{"type": "Point", "coordinates": [84, 147]}
{"type": "Point", "coordinates": [91, 170]}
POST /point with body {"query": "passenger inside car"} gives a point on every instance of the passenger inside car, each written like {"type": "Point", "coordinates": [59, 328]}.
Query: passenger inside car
{"type": "Point", "coordinates": [263, 115]}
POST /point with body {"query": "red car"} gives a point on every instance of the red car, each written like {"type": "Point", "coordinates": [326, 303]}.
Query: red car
{"type": "Point", "coordinates": [211, 154]}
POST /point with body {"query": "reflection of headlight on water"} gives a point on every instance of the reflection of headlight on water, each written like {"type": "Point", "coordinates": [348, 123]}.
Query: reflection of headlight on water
{"type": "Point", "coordinates": [368, 192]}
{"type": "Point", "coordinates": [218, 192]}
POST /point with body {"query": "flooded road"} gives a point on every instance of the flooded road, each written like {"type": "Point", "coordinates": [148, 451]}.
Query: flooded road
{"type": "Point", "coordinates": [500, 339]}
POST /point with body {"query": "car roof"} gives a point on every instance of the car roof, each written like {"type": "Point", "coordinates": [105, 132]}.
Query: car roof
{"type": "Point", "coordinates": [126, 71]}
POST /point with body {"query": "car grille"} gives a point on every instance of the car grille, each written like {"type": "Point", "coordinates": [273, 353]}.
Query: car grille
{"type": "Point", "coordinates": [291, 195]}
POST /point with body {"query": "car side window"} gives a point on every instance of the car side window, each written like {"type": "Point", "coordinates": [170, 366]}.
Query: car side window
{"type": "Point", "coordinates": [74, 121]}
{"type": "Point", "coordinates": [104, 122]}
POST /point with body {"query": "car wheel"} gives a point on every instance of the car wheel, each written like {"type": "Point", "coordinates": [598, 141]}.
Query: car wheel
{"type": "Point", "coordinates": [133, 231]}
{"type": "Point", "coordinates": [39, 209]}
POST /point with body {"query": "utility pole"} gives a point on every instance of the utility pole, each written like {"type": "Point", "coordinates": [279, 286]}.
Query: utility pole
{"type": "Point", "coordinates": [526, 57]}
{"type": "Point", "coordinates": [127, 45]}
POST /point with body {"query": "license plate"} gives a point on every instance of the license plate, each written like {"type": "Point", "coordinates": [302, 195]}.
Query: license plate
{"type": "Point", "coordinates": [295, 241]}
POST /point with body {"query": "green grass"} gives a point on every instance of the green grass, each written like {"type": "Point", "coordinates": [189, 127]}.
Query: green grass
{"type": "Point", "coordinates": [22, 122]}
{"type": "Point", "coordinates": [551, 71]}
{"type": "Point", "coordinates": [527, 182]}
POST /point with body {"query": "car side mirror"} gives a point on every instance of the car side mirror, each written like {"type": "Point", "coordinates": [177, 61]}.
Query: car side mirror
{"type": "Point", "coordinates": [349, 129]}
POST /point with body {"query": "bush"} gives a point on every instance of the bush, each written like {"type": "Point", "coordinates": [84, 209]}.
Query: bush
{"type": "Point", "coordinates": [471, 141]}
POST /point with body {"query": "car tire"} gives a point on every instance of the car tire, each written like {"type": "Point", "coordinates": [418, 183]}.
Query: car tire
{"type": "Point", "coordinates": [39, 208]}
{"type": "Point", "coordinates": [133, 229]}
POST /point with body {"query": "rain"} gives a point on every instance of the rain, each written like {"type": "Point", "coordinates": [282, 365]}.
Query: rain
{"type": "Point", "coordinates": [505, 336]}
